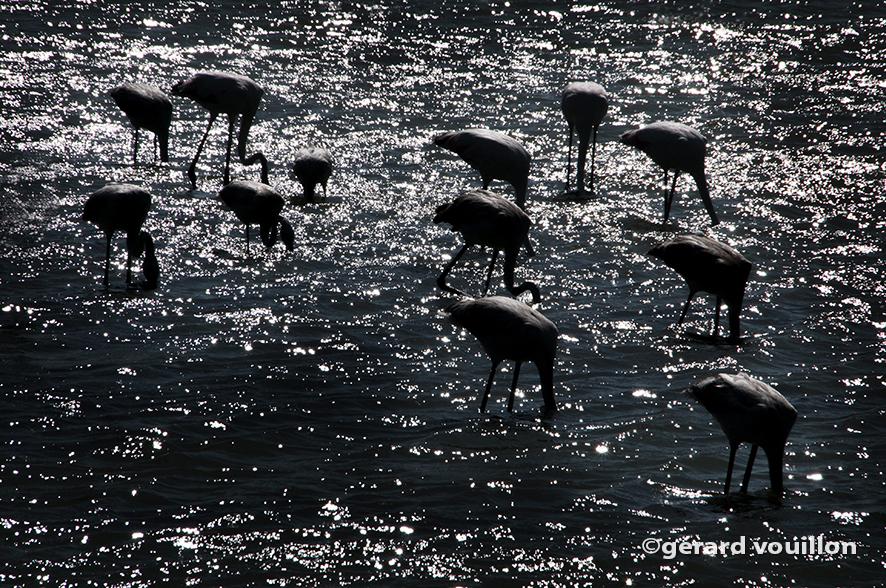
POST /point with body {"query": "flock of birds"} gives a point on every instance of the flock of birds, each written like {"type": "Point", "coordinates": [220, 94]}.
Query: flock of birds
{"type": "Point", "coordinates": [747, 409]}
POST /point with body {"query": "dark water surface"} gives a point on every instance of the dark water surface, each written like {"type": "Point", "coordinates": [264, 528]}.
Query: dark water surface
{"type": "Point", "coordinates": [311, 418]}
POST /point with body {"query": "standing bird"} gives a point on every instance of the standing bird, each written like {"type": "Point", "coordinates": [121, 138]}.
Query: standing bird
{"type": "Point", "coordinates": [510, 329]}
{"type": "Point", "coordinates": [146, 107]}
{"type": "Point", "coordinates": [495, 155]}
{"type": "Point", "coordinates": [119, 207]}
{"type": "Point", "coordinates": [584, 105]}
{"type": "Point", "coordinates": [708, 266]}
{"type": "Point", "coordinates": [255, 203]}
{"type": "Point", "coordinates": [678, 147]}
{"type": "Point", "coordinates": [749, 411]}
{"type": "Point", "coordinates": [486, 219]}
{"type": "Point", "coordinates": [312, 166]}
{"type": "Point", "coordinates": [231, 94]}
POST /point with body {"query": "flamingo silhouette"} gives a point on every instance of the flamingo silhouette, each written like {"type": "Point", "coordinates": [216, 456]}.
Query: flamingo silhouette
{"type": "Point", "coordinates": [231, 94]}
{"type": "Point", "coordinates": [584, 105]}
{"type": "Point", "coordinates": [675, 146]}
{"type": "Point", "coordinates": [255, 203]}
{"type": "Point", "coordinates": [486, 219]}
{"type": "Point", "coordinates": [749, 411]}
{"type": "Point", "coordinates": [312, 166]}
{"type": "Point", "coordinates": [146, 107]}
{"type": "Point", "coordinates": [708, 266]}
{"type": "Point", "coordinates": [119, 207]}
{"type": "Point", "coordinates": [510, 329]}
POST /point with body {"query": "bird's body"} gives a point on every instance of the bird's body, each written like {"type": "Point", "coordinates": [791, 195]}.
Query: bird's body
{"type": "Point", "coordinates": [510, 330]}
{"type": "Point", "coordinates": [119, 207]}
{"type": "Point", "coordinates": [255, 203]}
{"type": "Point", "coordinates": [230, 94]}
{"type": "Point", "coordinates": [495, 155]}
{"type": "Point", "coordinates": [678, 147]}
{"type": "Point", "coordinates": [312, 166]}
{"type": "Point", "coordinates": [709, 266]}
{"type": "Point", "coordinates": [584, 105]}
{"type": "Point", "coordinates": [146, 107]}
{"type": "Point", "coordinates": [749, 411]}
{"type": "Point", "coordinates": [486, 219]}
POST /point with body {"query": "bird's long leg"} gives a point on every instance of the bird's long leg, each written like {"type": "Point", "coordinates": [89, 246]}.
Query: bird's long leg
{"type": "Point", "coordinates": [569, 157]}
{"type": "Point", "coordinates": [584, 137]}
{"type": "Point", "coordinates": [128, 266]}
{"type": "Point", "coordinates": [685, 307]}
{"type": "Point", "coordinates": [716, 317]}
{"type": "Point", "coordinates": [107, 259]}
{"type": "Point", "coordinates": [593, 157]}
{"type": "Point", "coordinates": [191, 173]}
{"type": "Point", "coordinates": [441, 280]}
{"type": "Point", "coordinates": [488, 386]}
{"type": "Point", "coordinates": [733, 447]}
{"type": "Point", "coordinates": [514, 386]}
{"type": "Point", "coordinates": [670, 197]}
{"type": "Point", "coordinates": [486, 182]}
{"type": "Point", "coordinates": [155, 147]}
{"type": "Point", "coordinates": [135, 148]}
{"type": "Point", "coordinates": [247, 239]}
{"type": "Point", "coordinates": [747, 471]}
{"type": "Point", "coordinates": [489, 273]}
{"type": "Point", "coordinates": [227, 179]}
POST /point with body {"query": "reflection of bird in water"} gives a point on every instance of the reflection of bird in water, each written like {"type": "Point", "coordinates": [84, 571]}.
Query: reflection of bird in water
{"type": "Point", "coordinates": [510, 329]}
{"type": "Point", "coordinates": [709, 266]}
{"type": "Point", "coordinates": [312, 166]}
{"type": "Point", "coordinates": [255, 203]}
{"type": "Point", "coordinates": [749, 411]}
{"type": "Point", "coordinates": [231, 94]}
{"type": "Point", "coordinates": [486, 219]}
{"type": "Point", "coordinates": [119, 207]}
{"type": "Point", "coordinates": [678, 147]}
{"type": "Point", "coordinates": [146, 107]}
{"type": "Point", "coordinates": [495, 155]}
{"type": "Point", "coordinates": [584, 105]}
{"type": "Point", "coordinates": [150, 267]}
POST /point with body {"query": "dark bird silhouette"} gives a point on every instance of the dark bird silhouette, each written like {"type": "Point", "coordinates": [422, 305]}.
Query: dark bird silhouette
{"type": "Point", "coordinates": [146, 107]}
{"type": "Point", "coordinates": [584, 105]}
{"type": "Point", "coordinates": [150, 267]}
{"type": "Point", "coordinates": [495, 155]}
{"type": "Point", "coordinates": [119, 207]}
{"type": "Point", "coordinates": [510, 329]}
{"type": "Point", "coordinates": [486, 219]}
{"type": "Point", "coordinates": [678, 147]}
{"type": "Point", "coordinates": [312, 166]}
{"type": "Point", "coordinates": [749, 411]}
{"type": "Point", "coordinates": [255, 203]}
{"type": "Point", "coordinates": [709, 266]}
{"type": "Point", "coordinates": [231, 94]}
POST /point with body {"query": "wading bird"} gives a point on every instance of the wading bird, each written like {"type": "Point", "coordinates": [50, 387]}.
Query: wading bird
{"type": "Point", "coordinates": [749, 411]}
{"type": "Point", "coordinates": [255, 203]}
{"type": "Point", "coordinates": [119, 207]}
{"type": "Point", "coordinates": [678, 147]}
{"type": "Point", "coordinates": [708, 266]}
{"type": "Point", "coordinates": [584, 105]}
{"type": "Point", "coordinates": [146, 107]}
{"type": "Point", "coordinates": [231, 94]}
{"type": "Point", "coordinates": [486, 219]}
{"type": "Point", "coordinates": [510, 329]}
{"type": "Point", "coordinates": [312, 166]}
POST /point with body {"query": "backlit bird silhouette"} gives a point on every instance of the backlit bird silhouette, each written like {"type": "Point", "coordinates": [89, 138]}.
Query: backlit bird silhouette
{"type": "Point", "coordinates": [119, 207]}
{"type": "Point", "coordinates": [255, 203]}
{"type": "Point", "coordinates": [495, 155]}
{"type": "Point", "coordinates": [486, 219]}
{"type": "Point", "coordinates": [678, 147]}
{"type": "Point", "coordinates": [146, 107]}
{"type": "Point", "coordinates": [749, 411]}
{"type": "Point", "coordinates": [312, 166]}
{"type": "Point", "coordinates": [584, 105]}
{"type": "Point", "coordinates": [231, 94]}
{"type": "Point", "coordinates": [510, 329]}
{"type": "Point", "coordinates": [709, 266]}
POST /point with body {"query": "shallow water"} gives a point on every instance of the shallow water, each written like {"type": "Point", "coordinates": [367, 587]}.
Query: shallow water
{"type": "Point", "coordinates": [311, 418]}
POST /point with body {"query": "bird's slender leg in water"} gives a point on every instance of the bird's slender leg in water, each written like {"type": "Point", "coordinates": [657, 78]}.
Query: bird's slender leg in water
{"type": "Point", "coordinates": [486, 182]}
{"type": "Point", "coordinates": [593, 157]}
{"type": "Point", "coordinates": [685, 308]}
{"type": "Point", "coordinates": [733, 447]}
{"type": "Point", "coordinates": [488, 386]}
{"type": "Point", "coordinates": [441, 280]}
{"type": "Point", "coordinates": [107, 260]}
{"type": "Point", "coordinates": [489, 273]}
{"type": "Point", "coordinates": [747, 471]}
{"type": "Point", "coordinates": [514, 386]}
{"type": "Point", "coordinates": [569, 157]}
{"type": "Point", "coordinates": [247, 239]}
{"type": "Point", "coordinates": [191, 173]}
{"type": "Point", "coordinates": [227, 179]}
{"type": "Point", "coordinates": [128, 266]}
{"type": "Point", "coordinates": [155, 148]}
{"type": "Point", "coordinates": [135, 148]}
{"type": "Point", "coordinates": [716, 318]}
{"type": "Point", "coordinates": [669, 199]}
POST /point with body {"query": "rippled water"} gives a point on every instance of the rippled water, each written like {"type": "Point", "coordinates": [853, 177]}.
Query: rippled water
{"type": "Point", "coordinates": [311, 418]}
